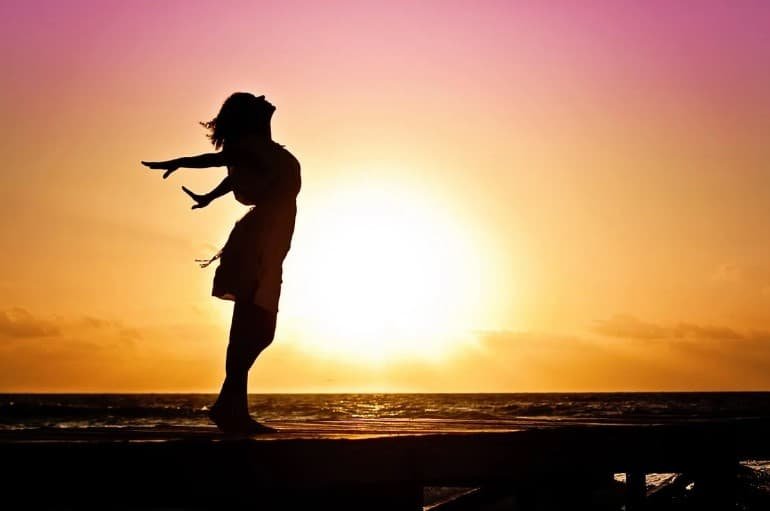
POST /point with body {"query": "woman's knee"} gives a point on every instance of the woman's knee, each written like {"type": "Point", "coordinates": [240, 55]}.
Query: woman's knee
{"type": "Point", "coordinates": [254, 345]}
{"type": "Point", "coordinates": [242, 352]}
{"type": "Point", "coordinates": [247, 347]}
{"type": "Point", "coordinates": [254, 323]}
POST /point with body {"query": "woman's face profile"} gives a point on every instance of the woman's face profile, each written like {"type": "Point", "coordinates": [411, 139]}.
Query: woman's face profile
{"type": "Point", "coordinates": [266, 102]}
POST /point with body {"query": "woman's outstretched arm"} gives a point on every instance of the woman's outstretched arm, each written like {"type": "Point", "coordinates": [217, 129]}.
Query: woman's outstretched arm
{"type": "Point", "coordinates": [201, 161]}
{"type": "Point", "coordinates": [201, 201]}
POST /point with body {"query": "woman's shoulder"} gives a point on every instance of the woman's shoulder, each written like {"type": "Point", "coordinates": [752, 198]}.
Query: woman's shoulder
{"type": "Point", "coordinates": [264, 156]}
{"type": "Point", "coordinates": [236, 151]}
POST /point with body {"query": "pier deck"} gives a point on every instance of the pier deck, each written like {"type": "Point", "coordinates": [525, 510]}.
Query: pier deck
{"type": "Point", "coordinates": [345, 467]}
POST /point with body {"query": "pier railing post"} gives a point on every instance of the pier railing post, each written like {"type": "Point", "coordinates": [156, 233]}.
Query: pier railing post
{"type": "Point", "coordinates": [636, 490]}
{"type": "Point", "coordinates": [715, 487]}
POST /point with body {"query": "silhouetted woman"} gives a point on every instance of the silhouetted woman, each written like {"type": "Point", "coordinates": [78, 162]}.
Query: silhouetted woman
{"type": "Point", "coordinates": [265, 176]}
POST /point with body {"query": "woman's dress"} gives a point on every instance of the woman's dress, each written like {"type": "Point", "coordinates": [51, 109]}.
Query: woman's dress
{"type": "Point", "coordinates": [266, 176]}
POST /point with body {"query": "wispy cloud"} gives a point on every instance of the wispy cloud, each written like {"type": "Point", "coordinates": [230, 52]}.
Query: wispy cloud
{"type": "Point", "coordinates": [753, 277]}
{"type": "Point", "coordinates": [630, 327]}
{"type": "Point", "coordinates": [124, 332]}
{"type": "Point", "coordinates": [684, 356]}
{"type": "Point", "coordinates": [18, 323]}
{"type": "Point", "coordinates": [728, 272]}
{"type": "Point", "coordinates": [98, 354]}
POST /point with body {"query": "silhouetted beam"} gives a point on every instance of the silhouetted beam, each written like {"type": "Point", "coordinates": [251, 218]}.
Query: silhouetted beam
{"type": "Point", "coordinates": [636, 490]}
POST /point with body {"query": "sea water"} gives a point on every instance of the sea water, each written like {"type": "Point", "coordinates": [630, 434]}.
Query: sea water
{"type": "Point", "coordinates": [472, 412]}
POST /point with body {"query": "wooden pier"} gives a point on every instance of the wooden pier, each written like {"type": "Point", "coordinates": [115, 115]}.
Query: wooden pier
{"type": "Point", "coordinates": [565, 467]}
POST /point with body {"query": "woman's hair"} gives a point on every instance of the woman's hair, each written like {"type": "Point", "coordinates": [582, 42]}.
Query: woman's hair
{"type": "Point", "coordinates": [242, 113]}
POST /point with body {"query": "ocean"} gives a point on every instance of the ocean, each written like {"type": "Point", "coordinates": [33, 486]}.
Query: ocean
{"type": "Point", "coordinates": [396, 412]}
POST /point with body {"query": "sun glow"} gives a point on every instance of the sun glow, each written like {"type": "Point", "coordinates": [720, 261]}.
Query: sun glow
{"type": "Point", "coordinates": [382, 273]}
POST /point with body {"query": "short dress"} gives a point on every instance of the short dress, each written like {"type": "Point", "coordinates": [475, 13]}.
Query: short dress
{"type": "Point", "coordinates": [267, 177]}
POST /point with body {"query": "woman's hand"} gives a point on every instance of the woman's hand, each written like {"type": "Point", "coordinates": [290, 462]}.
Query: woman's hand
{"type": "Point", "coordinates": [168, 166]}
{"type": "Point", "coordinates": [201, 201]}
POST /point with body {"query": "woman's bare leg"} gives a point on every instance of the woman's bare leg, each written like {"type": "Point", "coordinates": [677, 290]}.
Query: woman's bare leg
{"type": "Point", "coordinates": [251, 331]}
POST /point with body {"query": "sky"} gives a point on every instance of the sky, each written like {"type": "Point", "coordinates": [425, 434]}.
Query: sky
{"type": "Point", "coordinates": [498, 196]}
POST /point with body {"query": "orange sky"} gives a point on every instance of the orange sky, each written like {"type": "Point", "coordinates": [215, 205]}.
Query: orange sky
{"type": "Point", "coordinates": [496, 197]}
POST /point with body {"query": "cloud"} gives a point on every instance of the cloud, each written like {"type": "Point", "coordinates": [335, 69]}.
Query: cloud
{"type": "Point", "coordinates": [707, 332]}
{"type": "Point", "coordinates": [690, 357]}
{"type": "Point", "coordinates": [728, 272]}
{"type": "Point", "coordinates": [629, 327]}
{"type": "Point", "coordinates": [124, 332]}
{"type": "Point", "coordinates": [754, 277]}
{"type": "Point", "coordinates": [98, 354]}
{"type": "Point", "coordinates": [18, 323]}
{"type": "Point", "coordinates": [89, 353]}
{"type": "Point", "coordinates": [537, 361]}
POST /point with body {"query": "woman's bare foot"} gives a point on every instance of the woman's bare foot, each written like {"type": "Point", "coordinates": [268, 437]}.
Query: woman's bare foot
{"type": "Point", "coordinates": [257, 428]}
{"type": "Point", "coordinates": [237, 423]}
{"type": "Point", "coordinates": [223, 418]}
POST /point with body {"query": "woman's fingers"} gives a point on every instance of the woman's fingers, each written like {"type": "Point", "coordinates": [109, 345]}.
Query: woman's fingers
{"type": "Point", "coordinates": [201, 202]}
{"type": "Point", "coordinates": [160, 165]}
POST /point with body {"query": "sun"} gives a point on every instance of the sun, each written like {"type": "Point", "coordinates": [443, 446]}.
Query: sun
{"type": "Point", "coordinates": [379, 272]}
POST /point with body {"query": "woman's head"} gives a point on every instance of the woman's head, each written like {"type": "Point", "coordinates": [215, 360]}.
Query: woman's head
{"type": "Point", "coordinates": [242, 113]}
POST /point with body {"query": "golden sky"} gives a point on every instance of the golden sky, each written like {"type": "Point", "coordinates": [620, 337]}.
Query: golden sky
{"type": "Point", "coordinates": [497, 196]}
